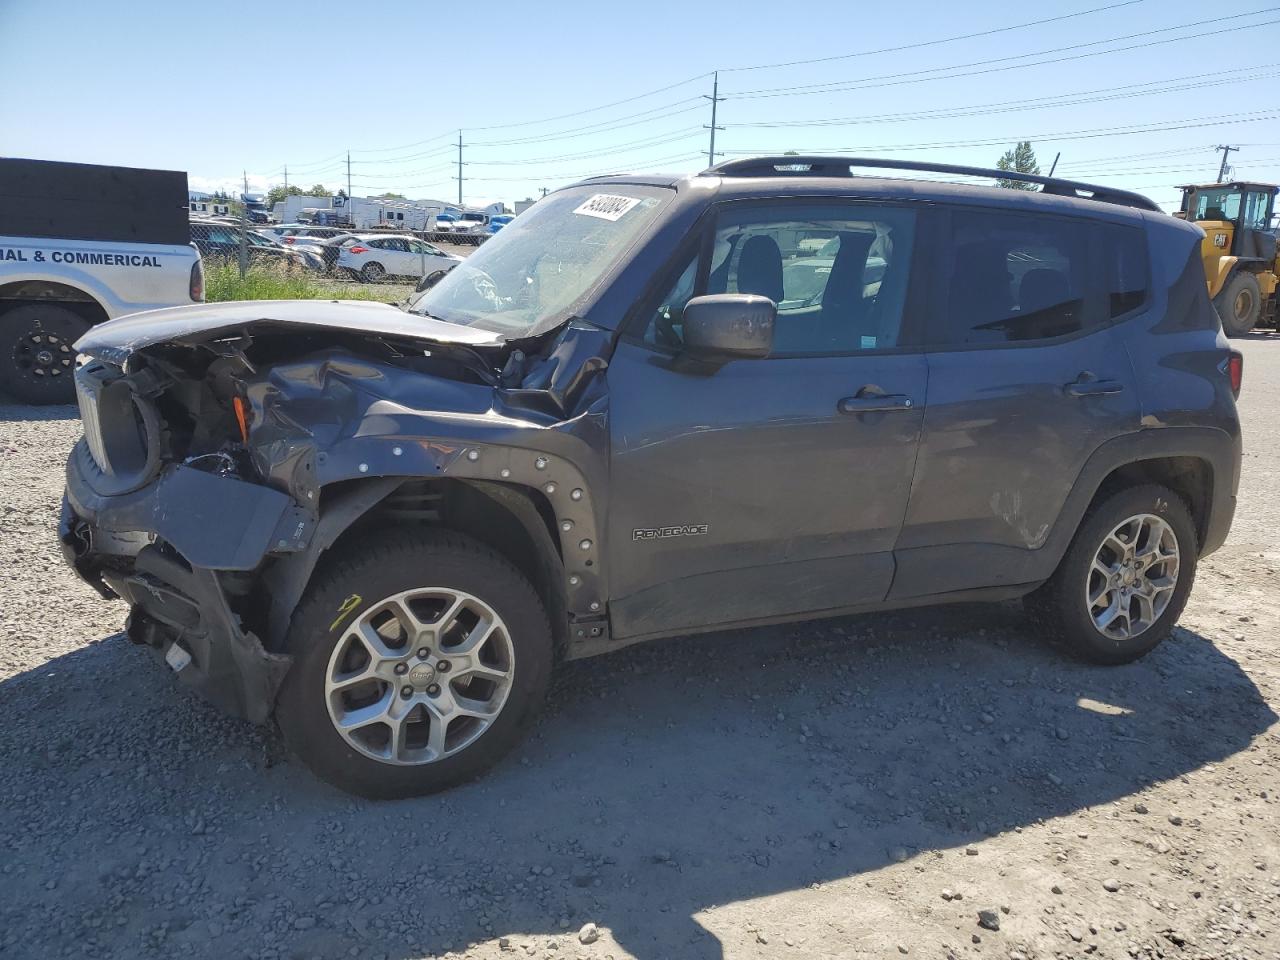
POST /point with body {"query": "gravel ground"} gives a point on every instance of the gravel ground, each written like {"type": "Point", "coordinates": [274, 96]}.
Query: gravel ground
{"type": "Point", "coordinates": [935, 784]}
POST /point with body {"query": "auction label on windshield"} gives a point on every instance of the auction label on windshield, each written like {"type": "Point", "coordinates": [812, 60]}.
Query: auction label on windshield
{"type": "Point", "coordinates": [606, 206]}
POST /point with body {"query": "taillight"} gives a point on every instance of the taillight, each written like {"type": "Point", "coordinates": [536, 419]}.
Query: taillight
{"type": "Point", "coordinates": [1235, 371]}
{"type": "Point", "coordinates": [357, 249]}
{"type": "Point", "coordinates": [196, 286]}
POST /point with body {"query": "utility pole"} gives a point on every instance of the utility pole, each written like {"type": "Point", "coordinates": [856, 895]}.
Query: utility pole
{"type": "Point", "coordinates": [459, 177]}
{"type": "Point", "coordinates": [1222, 168]}
{"type": "Point", "coordinates": [715, 98]}
{"type": "Point", "coordinates": [348, 180]}
{"type": "Point", "coordinates": [286, 179]}
{"type": "Point", "coordinates": [545, 191]}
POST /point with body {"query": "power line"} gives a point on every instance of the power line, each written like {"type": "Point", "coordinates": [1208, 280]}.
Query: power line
{"type": "Point", "coordinates": [1216, 78]}
{"type": "Point", "coordinates": [932, 43]}
{"type": "Point", "coordinates": [915, 76]}
{"type": "Point", "coordinates": [603, 126]}
{"type": "Point", "coordinates": [671, 136]}
{"type": "Point", "coordinates": [603, 106]}
{"type": "Point", "coordinates": [1187, 123]}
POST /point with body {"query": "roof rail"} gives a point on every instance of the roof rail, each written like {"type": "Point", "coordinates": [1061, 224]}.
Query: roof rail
{"type": "Point", "coordinates": [827, 166]}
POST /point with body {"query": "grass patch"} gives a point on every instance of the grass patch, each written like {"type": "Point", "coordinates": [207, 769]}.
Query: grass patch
{"type": "Point", "coordinates": [222, 282]}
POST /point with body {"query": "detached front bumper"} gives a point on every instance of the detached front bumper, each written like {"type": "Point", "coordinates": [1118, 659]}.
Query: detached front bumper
{"type": "Point", "coordinates": [171, 550]}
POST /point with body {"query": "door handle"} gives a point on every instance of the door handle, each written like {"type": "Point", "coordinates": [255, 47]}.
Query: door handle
{"type": "Point", "coordinates": [1088, 385]}
{"type": "Point", "coordinates": [874, 403]}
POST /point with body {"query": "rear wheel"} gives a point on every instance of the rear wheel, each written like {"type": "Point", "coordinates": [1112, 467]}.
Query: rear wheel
{"type": "Point", "coordinates": [1124, 580]}
{"type": "Point", "coordinates": [421, 659]}
{"type": "Point", "coordinates": [372, 272]}
{"type": "Point", "coordinates": [1239, 304]}
{"type": "Point", "coordinates": [37, 352]}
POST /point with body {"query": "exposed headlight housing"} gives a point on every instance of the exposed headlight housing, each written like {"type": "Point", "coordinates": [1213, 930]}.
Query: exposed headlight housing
{"type": "Point", "coordinates": [121, 429]}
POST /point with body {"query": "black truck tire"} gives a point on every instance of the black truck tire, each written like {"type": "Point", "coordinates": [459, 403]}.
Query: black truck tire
{"type": "Point", "coordinates": [37, 352]}
{"type": "Point", "coordinates": [1065, 607]}
{"type": "Point", "coordinates": [357, 620]}
{"type": "Point", "coordinates": [1239, 304]}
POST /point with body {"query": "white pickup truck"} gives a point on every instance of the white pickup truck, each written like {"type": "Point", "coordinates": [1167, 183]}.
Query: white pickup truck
{"type": "Point", "coordinates": [80, 244]}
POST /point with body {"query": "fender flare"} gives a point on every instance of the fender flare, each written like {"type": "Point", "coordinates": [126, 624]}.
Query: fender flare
{"type": "Point", "coordinates": [574, 584]}
{"type": "Point", "coordinates": [1216, 447]}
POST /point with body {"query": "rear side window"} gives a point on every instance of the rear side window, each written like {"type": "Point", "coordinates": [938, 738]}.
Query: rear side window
{"type": "Point", "coordinates": [1016, 278]}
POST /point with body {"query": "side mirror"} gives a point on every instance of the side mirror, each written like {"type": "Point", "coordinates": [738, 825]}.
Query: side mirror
{"type": "Point", "coordinates": [727, 326]}
{"type": "Point", "coordinates": [430, 280]}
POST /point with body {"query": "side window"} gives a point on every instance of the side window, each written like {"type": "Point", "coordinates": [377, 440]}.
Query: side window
{"type": "Point", "coordinates": [397, 244]}
{"type": "Point", "coordinates": [1018, 278]}
{"type": "Point", "coordinates": [1256, 210]}
{"type": "Point", "coordinates": [837, 272]}
{"type": "Point", "coordinates": [379, 244]}
{"type": "Point", "coordinates": [664, 328]}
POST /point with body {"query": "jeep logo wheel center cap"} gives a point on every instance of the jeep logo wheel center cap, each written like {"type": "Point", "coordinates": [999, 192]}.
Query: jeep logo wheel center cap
{"type": "Point", "coordinates": [424, 674]}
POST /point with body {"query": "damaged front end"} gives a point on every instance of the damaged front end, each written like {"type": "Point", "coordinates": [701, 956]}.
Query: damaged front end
{"type": "Point", "coordinates": [226, 448]}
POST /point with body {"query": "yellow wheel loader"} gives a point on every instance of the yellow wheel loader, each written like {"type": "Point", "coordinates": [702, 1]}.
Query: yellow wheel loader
{"type": "Point", "coordinates": [1241, 260]}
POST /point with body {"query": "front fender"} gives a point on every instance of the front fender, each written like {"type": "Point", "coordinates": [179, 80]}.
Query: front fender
{"type": "Point", "coordinates": [319, 424]}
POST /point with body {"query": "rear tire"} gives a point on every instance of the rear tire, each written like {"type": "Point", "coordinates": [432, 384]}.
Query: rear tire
{"type": "Point", "coordinates": [370, 615]}
{"type": "Point", "coordinates": [1239, 304]}
{"type": "Point", "coordinates": [1111, 568]}
{"type": "Point", "coordinates": [37, 352]}
{"type": "Point", "coordinates": [372, 272]}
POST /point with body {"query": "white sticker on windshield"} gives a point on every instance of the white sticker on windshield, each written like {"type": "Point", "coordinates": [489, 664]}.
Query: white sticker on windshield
{"type": "Point", "coordinates": [606, 206]}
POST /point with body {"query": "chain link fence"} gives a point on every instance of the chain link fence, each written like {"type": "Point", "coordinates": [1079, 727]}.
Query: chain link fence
{"type": "Point", "coordinates": [375, 255]}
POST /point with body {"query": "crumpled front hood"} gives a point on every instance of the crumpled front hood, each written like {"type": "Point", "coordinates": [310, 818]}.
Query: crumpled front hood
{"type": "Point", "coordinates": [202, 322]}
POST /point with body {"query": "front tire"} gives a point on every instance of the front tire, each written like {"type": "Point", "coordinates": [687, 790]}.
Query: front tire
{"type": "Point", "coordinates": [37, 352]}
{"type": "Point", "coordinates": [422, 657]}
{"type": "Point", "coordinates": [1124, 580]}
{"type": "Point", "coordinates": [372, 272]}
{"type": "Point", "coordinates": [1239, 304]}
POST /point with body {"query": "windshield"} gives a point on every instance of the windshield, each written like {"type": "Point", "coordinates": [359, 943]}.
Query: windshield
{"type": "Point", "coordinates": [1221, 203]}
{"type": "Point", "coordinates": [525, 278]}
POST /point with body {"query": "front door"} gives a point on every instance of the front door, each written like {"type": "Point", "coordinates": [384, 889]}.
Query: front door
{"type": "Point", "coordinates": [1028, 376]}
{"type": "Point", "coordinates": [772, 487]}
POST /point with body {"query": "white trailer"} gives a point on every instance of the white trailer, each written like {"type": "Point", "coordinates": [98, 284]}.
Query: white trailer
{"type": "Point", "coordinates": [289, 209]}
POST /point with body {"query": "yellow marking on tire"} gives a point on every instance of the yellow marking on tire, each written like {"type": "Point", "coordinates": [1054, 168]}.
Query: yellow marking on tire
{"type": "Point", "coordinates": [347, 606]}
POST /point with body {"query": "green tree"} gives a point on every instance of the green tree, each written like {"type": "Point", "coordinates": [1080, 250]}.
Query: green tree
{"type": "Point", "coordinates": [278, 193]}
{"type": "Point", "coordinates": [1021, 159]}
{"type": "Point", "coordinates": [389, 196]}
{"type": "Point", "coordinates": [317, 190]}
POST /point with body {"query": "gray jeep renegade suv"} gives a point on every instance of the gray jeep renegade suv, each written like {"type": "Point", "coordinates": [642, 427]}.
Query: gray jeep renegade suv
{"type": "Point", "coordinates": [652, 406]}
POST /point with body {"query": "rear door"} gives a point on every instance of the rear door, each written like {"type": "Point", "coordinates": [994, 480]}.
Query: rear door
{"type": "Point", "coordinates": [770, 487]}
{"type": "Point", "coordinates": [1028, 377]}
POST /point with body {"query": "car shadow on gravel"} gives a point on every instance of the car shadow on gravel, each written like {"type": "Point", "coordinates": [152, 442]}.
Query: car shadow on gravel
{"type": "Point", "coordinates": [662, 781]}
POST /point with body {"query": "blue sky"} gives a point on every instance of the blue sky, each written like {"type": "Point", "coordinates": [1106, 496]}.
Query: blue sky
{"type": "Point", "coordinates": [1137, 95]}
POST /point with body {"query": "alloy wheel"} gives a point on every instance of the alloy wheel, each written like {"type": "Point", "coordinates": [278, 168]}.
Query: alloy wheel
{"type": "Point", "coordinates": [419, 676]}
{"type": "Point", "coordinates": [1133, 576]}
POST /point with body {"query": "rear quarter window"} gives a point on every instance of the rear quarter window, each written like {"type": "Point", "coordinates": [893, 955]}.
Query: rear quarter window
{"type": "Point", "coordinates": [1017, 278]}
